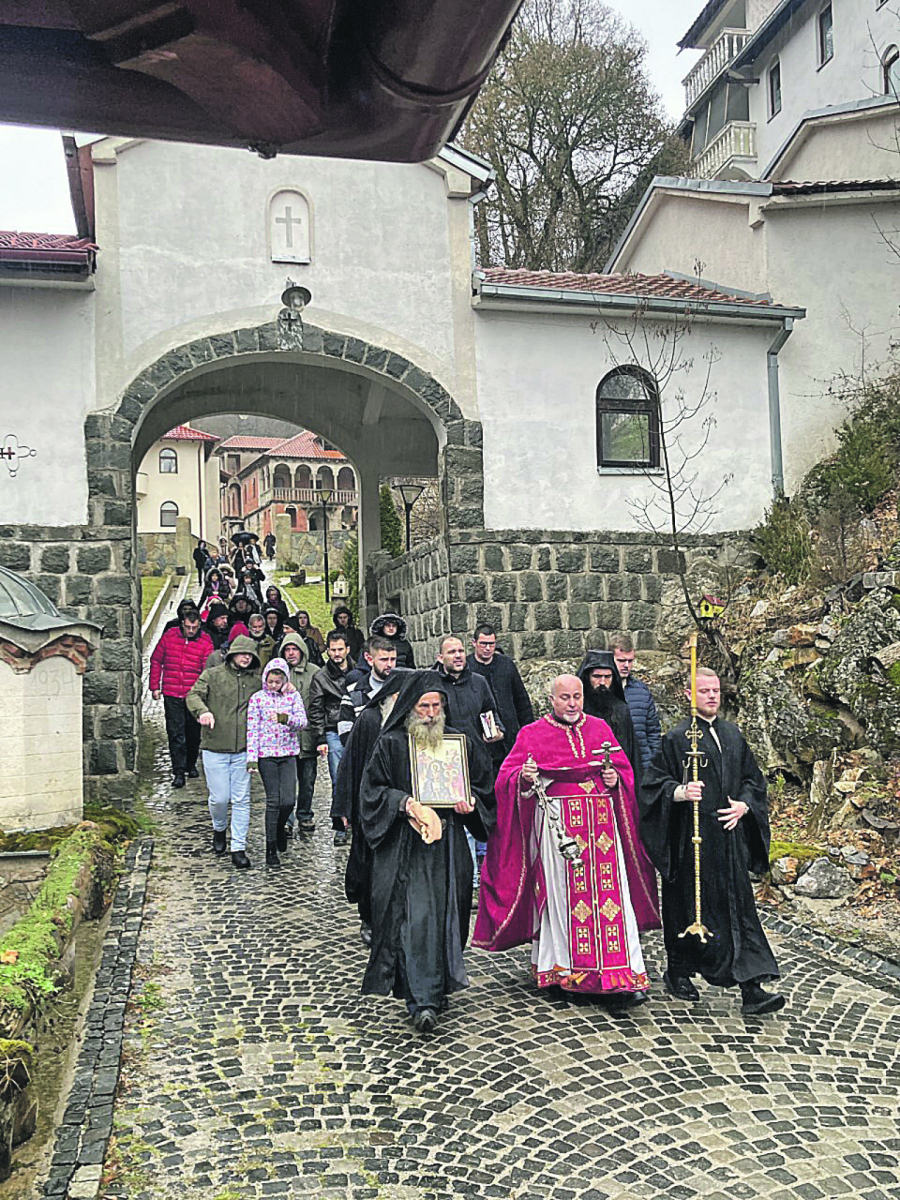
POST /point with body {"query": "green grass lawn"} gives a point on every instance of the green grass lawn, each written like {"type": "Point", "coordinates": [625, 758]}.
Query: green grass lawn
{"type": "Point", "coordinates": [311, 597]}
{"type": "Point", "coordinates": [151, 586]}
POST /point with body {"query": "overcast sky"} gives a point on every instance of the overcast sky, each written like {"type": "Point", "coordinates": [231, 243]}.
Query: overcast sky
{"type": "Point", "coordinates": [34, 194]}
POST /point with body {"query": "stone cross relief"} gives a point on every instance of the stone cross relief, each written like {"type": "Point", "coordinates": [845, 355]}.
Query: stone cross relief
{"type": "Point", "coordinates": [289, 227]}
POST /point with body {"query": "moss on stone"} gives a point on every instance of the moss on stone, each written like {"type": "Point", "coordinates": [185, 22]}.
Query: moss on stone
{"type": "Point", "coordinates": [14, 1050]}
{"type": "Point", "coordinates": [798, 850]}
{"type": "Point", "coordinates": [36, 938]}
{"type": "Point", "coordinates": [116, 825]}
{"type": "Point", "coordinates": [893, 674]}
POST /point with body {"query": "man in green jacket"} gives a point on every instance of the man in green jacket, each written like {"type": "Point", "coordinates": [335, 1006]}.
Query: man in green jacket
{"type": "Point", "coordinates": [219, 701]}
{"type": "Point", "coordinates": [294, 651]}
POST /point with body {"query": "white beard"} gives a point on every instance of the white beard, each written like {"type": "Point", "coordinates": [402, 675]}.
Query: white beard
{"type": "Point", "coordinates": [427, 736]}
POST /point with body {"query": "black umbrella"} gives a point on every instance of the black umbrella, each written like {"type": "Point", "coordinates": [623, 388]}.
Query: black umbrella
{"type": "Point", "coordinates": [242, 537]}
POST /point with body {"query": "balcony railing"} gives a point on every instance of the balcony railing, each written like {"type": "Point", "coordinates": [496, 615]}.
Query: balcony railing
{"type": "Point", "coordinates": [716, 59]}
{"type": "Point", "coordinates": [735, 141]}
{"type": "Point", "coordinates": [306, 496]}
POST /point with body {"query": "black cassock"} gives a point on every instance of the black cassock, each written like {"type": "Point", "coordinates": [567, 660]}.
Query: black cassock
{"type": "Point", "coordinates": [421, 895]}
{"type": "Point", "coordinates": [738, 952]}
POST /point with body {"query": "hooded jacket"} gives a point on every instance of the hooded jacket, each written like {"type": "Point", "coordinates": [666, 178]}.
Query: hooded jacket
{"type": "Point", "coordinates": [275, 719]}
{"type": "Point", "coordinates": [278, 602]}
{"type": "Point", "coordinates": [179, 661]}
{"type": "Point", "coordinates": [355, 638]}
{"type": "Point", "coordinates": [301, 676]}
{"type": "Point", "coordinates": [404, 649]}
{"type": "Point", "coordinates": [225, 692]}
{"type": "Point", "coordinates": [219, 636]}
{"type": "Point", "coordinates": [610, 706]}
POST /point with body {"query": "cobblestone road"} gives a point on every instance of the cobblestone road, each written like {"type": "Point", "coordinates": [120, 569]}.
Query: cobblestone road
{"type": "Point", "coordinates": [253, 1067]}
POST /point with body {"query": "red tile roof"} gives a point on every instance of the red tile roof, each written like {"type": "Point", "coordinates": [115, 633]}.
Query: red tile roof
{"type": "Point", "coordinates": [664, 286]}
{"type": "Point", "coordinates": [810, 187]}
{"type": "Point", "coordinates": [303, 445]}
{"type": "Point", "coordinates": [184, 433]}
{"type": "Point", "coordinates": [241, 442]}
{"type": "Point", "coordinates": [61, 251]}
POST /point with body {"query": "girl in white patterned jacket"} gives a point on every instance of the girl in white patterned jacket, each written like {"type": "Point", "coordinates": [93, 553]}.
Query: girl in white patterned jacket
{"type": "Point", "coordinates": [275, 718]}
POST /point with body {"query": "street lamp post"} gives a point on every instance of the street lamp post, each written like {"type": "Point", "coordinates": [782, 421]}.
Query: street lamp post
{"type": "Point", "coordinates": [410, 493]}
{"type": "Point", "coordinates": [325, 496]}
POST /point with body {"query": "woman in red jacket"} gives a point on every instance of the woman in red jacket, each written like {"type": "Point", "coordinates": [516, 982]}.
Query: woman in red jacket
{"type": "Point", "coordinates": [177, 661]}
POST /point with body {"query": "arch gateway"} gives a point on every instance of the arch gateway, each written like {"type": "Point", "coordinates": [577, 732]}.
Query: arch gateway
{"type": "Point", "coordinates": [167, 309]}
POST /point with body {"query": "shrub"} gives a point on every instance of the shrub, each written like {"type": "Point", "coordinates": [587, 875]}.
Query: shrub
{"type": "Point", "coordinates": [391, 527]}
{"type": "Point", "coordinates": [783, 540]}
{"type": "Point", "coordinates": [350, 567]}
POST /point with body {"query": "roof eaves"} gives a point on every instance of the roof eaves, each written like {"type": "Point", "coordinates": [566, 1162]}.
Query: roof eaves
{"type": "Point", "coordinates": [476, 166]}
{"type": "Point", "coordinates": [707, 14]}
{"type": "Point", "coordinates": [620, 301]}
{"type": "Point", "coordinates": [679, 183]}
{"type": "Point", "coordinates": [766, 33]}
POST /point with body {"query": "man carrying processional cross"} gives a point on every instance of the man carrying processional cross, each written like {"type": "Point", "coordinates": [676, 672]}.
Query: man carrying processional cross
{"type": "Point", "coordinates": [565, 869]}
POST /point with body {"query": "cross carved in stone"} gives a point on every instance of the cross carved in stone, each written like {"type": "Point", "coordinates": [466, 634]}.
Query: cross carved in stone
{"type": "Point", "coordinates": [288, 221]}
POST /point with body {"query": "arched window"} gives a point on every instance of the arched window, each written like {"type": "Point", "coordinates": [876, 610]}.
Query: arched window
{"type": "Point", "coordinates": [345, 480]}
{"type": "Point", "coordinates": [168, 512]}
{"type": "Point", "coordinates": [627, 419]}
{"type": "Point", "coordinates": [312, 522]}
{"type": "Point", "coordinates": [168, 461]}
{"type": "Point", "coordinates": [303, 477]}
{"type": "Point", "coordinates": [325, 478]}
{"type": "Point", "coordinates": [281, 476]}
{"type": "Point", "coordinates": [292, 513]}
{"type": "Point", "coordinates": [890, 63]}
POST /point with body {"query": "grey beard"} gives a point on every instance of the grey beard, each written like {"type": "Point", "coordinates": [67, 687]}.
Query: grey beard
{"type": "Point", "coordinates": [427, 736]}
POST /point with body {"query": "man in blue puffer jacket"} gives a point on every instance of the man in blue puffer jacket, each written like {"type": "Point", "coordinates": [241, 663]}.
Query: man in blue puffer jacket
{"type": "Point", "coordinates": [641, 705]}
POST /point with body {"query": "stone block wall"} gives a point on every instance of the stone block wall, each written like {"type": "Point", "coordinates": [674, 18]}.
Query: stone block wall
{"type": "Point", "coordinates": [417, 585]}
{"type": "Point", "coordinates": [306, 549]}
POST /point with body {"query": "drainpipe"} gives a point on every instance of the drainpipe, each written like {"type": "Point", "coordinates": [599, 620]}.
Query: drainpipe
{"type": "Point", "coordinates": [781, 337]}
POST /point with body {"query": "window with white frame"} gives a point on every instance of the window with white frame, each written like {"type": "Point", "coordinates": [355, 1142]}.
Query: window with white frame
{"type": "Point", "coordinates": [825, 29]}
{"type": "Point", "coordinates": [628, 419]}
{"type": "Point", "coordinates": [774, 84]}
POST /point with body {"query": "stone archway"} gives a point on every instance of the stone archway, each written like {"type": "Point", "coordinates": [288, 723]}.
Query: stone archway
{"type": "Point", "coordinates": [106, 552]}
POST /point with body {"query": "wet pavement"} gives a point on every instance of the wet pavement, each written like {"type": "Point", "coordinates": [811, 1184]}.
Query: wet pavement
{"type": "Point", "coordinates": [252, 1067]}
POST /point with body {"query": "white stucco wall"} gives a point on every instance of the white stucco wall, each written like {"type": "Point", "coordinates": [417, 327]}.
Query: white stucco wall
{"type": "Point", "coordinates": [194, 488]}
{"type": "Point", "coordinates": [864, 148]}
{"type": "Point", "coordinates": [688, 231]}
{"type": "Point", "coordinates": [40, 746]}
{"type": "Point", "coordinates": [192, 226]}
{"type": "Point", "coordinates": [832, 261]}
{"type": "Point", "coordinates": [538, 375]}
{"type": "Point", "coordinates": [861, 33]}
{"type": "Point", "coordinates": [46, 384]}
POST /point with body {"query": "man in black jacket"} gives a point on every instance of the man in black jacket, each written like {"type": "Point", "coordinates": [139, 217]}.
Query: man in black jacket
{"type": "Point", "coordinates": [343, 623]}
{"type": "Point", "coordinates": [327, 690]}
{"type": "Point", "coordinates": [505, 682]}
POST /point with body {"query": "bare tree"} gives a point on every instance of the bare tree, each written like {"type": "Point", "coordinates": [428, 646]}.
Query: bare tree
{"type": "Point", "coordinates": [571, 125]}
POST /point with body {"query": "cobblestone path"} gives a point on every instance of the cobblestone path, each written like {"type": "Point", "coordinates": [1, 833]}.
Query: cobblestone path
{"type": "Point", "coordinates": [253, 1067]}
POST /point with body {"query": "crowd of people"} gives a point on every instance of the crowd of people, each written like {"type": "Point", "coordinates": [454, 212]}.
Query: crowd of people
{"type": "Point", "coordinates": [555, 837]}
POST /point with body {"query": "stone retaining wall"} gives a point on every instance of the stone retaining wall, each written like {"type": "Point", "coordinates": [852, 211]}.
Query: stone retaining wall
{"type": "Point", "coordinates": [88, 572]}
{"type": "Point", "coordinates": [550, 594]}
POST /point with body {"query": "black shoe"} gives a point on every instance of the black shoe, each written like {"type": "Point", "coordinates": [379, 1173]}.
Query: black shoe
{"type": "Point", "coordinates": [620, 1001]}
{"type": "Point", "coordinates": [340, 837]}
{"type": "Point", "coordinates": [219, 841]}
{"type": "Point", "coordinates": [306, 824]}
{"type": "Point", "coordinates": [272, 859]}
{"type": "Point", "coordinates": [240, 860]}
{"type": "Point", "coordinates": [365, 933]}
{"type": "Point", "coordinates": [756, 1002]}
{"type": "Point", "coordinates": [289, 830]}
{"type": "Point", "coordinates": [680, 986]}
{"type": "Point", "coordinates": [193, 773]}
{"type": "Point", "coordinates": [425, 1020]}
{"type": "Point", "coordinates": [178, 781]}
{"type": "Point", "coordinates": [281, 840]}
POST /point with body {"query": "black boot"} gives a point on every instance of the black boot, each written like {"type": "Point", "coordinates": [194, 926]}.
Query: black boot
{"type": "Point", "coordinates": [756, 1002]}
{"type": "Point", "coordinates": [281, 837]}
{"type": "Point", "coordinates": [272, 859]}
{"type": "Point", "coordinates": [240, 860]}
{"type": "Point", "coordinates": [219, 841]}
{"type": "Point", "coordinates": [681, 987]}
{"type": "Point", "coordinates": [178, 781]}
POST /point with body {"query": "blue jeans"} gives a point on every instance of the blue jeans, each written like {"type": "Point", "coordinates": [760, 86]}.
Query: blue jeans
{"type": "Point", "coordinates": [228, 780]}
{"type": "Point", "coordinates": [335, 752]}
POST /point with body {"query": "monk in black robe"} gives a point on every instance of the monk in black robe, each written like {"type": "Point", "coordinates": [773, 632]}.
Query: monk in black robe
{"type": "Point", "coordinates": [734, 826]}
{"type": "Point", "coordinates": [345, 796]}
{"type": "Point", "coordinates": [421, 879]}
{"type": "Point", "coordinates": [604, 697]}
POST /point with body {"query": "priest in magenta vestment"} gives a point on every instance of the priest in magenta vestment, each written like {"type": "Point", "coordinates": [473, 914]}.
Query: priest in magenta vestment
{"type": "Point", "coordinates": [581, 915]}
